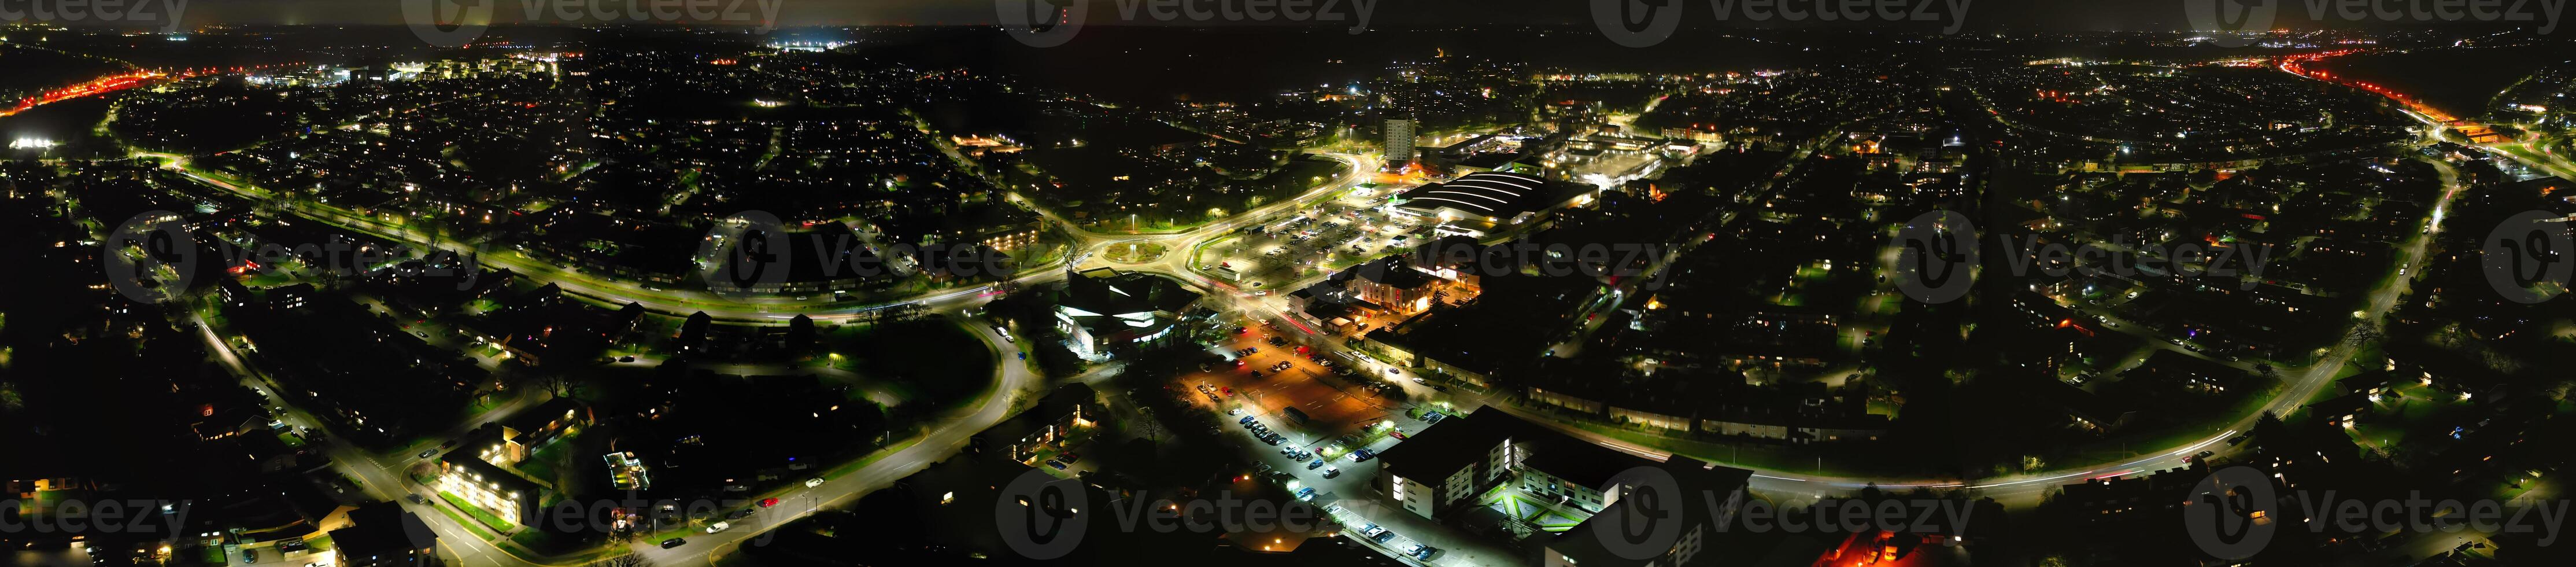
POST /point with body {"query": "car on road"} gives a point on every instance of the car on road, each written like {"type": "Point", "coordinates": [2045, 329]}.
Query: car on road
{"type": "Point", "coordinates": [1306, 494]}
{"type": "Point", "coordinates": [2203, 455]}
{"type": "Point", "coordinates": [427, 453]}
{"type": "Point", "coordinates": [415, 498]}
{"type": "Point", "coordinates": [813, 482]}
{"type": "Point", "coordinates": [1362, 455]}
{"type": "Point", "coordinates": [2232, 441]}
{"type": "Point", "coordinates": [1330, 472]}
{"type": "Point", "coordinates": [718, 527]}
{"type": "Point", "coordinates": [1059, 465]}
{"type": "Point", "coordinates": [1319, 463]}
{"type": "Point", "coordinates": [1423, 552]}
{"type": "Point", "coordinates": [768, 502]}
{"type": "Point", "coordinates": [674, 542]}
{"type": "Point", "coordinates": [1384, 536]}
{"type": "Point", "coordinates": [738, 514]}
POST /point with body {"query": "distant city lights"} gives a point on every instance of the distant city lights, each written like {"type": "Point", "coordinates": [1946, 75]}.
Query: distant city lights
{"type": "Point", "coordinates": [32, 144]}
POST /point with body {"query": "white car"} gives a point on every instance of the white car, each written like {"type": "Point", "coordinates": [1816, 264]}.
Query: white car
{"type": "Point", "coordinates": [810, 483]}
{"type": "Point", "coordinates": [718, 527]}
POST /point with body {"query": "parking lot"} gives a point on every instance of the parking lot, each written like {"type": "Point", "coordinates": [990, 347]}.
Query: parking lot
{"type": "Point", "coordinates": [1319, 239]}
{"type": "Point", "coordinates": [1258, 385]}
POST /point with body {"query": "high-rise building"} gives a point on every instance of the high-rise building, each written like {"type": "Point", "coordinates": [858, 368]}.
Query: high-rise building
{"type": "Point", "coordinates": [1399, 142]}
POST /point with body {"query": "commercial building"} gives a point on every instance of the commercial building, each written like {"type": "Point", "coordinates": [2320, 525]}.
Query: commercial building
{"type": "Point", "coordinates": [1479, 203]}
{"type": "Point", "coordinates": [1104, 310]}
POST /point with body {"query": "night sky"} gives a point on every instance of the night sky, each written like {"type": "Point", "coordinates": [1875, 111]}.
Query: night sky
{"type": "Point", "coordinates": [2054, 15]}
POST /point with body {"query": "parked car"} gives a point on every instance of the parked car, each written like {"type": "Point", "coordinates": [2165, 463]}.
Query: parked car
{"type": "Point", "coordinates": [674, 542]}
{"type": "Point", "coordinates": [718, 527]}
{"type": "Point", "coordinates": [415, 498]}
{"type": "Point", "coordinates": [426, 454]}
{"type": "Point", "coordinates": [813, 482]}
{"type": "Point", "coordinates": [768, 502]}
{"type": "Point", "coordinates": [1319, 463]}
{"type": "Point", "coordinates": [1330, 472]}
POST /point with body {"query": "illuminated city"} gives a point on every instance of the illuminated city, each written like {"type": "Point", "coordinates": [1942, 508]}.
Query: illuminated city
{"type": "Point", "coordinates": [1511, 283]}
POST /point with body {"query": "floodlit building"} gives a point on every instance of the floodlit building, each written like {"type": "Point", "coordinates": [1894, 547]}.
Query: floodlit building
{"type": "Point", "coordinates": [1104, 310]}
{"type": "Point", "coordinates": [1482, 202]}
{"type": "Point", "coordinates": [487, 486]}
